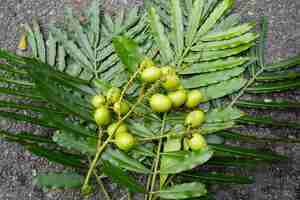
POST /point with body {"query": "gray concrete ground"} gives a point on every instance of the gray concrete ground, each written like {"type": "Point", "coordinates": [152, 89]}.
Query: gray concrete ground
{"type": "Point", "coordinates": [277, 182]}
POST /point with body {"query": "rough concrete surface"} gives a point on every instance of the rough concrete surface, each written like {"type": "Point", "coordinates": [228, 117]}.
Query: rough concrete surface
{"type": "Point", "coordinates": [277, 182]}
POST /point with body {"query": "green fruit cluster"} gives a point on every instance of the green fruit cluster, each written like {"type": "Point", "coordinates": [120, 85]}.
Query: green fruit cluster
{"type": "Point", "coordinates": [103, 116]}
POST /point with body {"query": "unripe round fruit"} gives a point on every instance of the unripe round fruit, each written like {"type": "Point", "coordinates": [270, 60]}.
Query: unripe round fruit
{"type": "Point", "coordinates": [194, 97]}
{"type": "Point", "coordinates": [112, 129]}
{"type": "Point", "coordinates": [167, 70]}
{"type": "Point", "coordinates": [178, 97]}
{"type": "Point", "coordinates": [195, 118]}
{"type": "Point", "coordinates": [124, 141]}
{"type": "Point", "coordinates": [102, 116]}
{"type": "Point", "coordinates": [151, 74]}
{"type": "Point", "coordinates": [197, 142]}
{"type": "Point", "coordinates": [121, 107]}
{"type": "Point", "coordinates": [98, 101]}
{"type": "Point", "coordinates": [147, 62]}
{"type": "Point", "coordinates": [160, 103]}
{"type": "Point", "coordinates": [171, 82]}
{"type": "Point", "coordinates": [113, 95]}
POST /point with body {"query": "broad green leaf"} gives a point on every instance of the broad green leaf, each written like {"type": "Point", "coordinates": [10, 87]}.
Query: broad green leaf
{"type": "Point", "coordinates": [41, 49]}
{"type": "Point", "coordinates": [62, 180]}
{"type": "Point", "coordinates": [211, 78]}
{"type": "Point", "coordinates": [25, 137]}
{"type": "Point", "coordinates": [177, 26]}
{"type": "Point", "coordinates": [56, 156]}
{"type": "Point", "coordinates": [223, 115]}
{"type": "Point", "coordinates": [209, 128]}
{"type": "Point", "coordinates": [122, 160]}
{"type": "Point", "coordinates": [226, 23]}
{"type": "Point", "coordinates": [11, 58]}
{"type": "Point", "coordinates": [267, 104]}
{"type": "Point", "coordinates": [51, 50]}
{"type": "Point", "coordinates": [121, 177]}
{"type": "Point", "coordinates": [238, 151]}
{"type": "Point", "coordinates": [216, 14]}
{"type": "Point", "coordinates": [284, 64]}
{"type": "Point", "coordinates": [269, 77]}
{"type": "Point", "coordinates": [61, 60]}
{"type": "Point", "coordinates": [211, 66]}
{"type": "Point", "coordinates": [222, 89]}
{"type": "Point", "coordinates": [31, 40]}
{"type": "Point", "coordinates": [252, 138]}
{"type": "Point", "coordinates": [274, 87]}
{"type": "Point", "coordinates": [12, 69]}
{"type": "Point", "coordinates": [93, 14]}
{"type": "Point", "coordinates": [214, 139]}
{"type": "Point", "coordinates": [19, 83]}
{"type": "Point", "coordinates": [183, 191]}
{"type": "Point", "coordinates": [185, 160]}
{"type": "Point", "coordinates": [218, 178]}
{"type": "Point", "coordinates": [25, 92]}
{"type": "Point", "coordinates": [160, 37]}
{"type": "Point", "coordinates": [139, 129]}
{"type": "Point", "coordinates": [129, 53]}
{"type": "Point", "coordinates": [233, 162]}
{"type": "Point", "coordinates": [194, 21]}
{"type": "Point", "coordinates": [229, 33]}
{"type": "Point", "coordinates": [72, 142]}
{"type": "Point", "coordinates": [262, 41]}
{"type": "Point", "coordinates": [267, 121]}
{"type": "Point", "coordinates": [212, 55]}
{"type": "Point", "coordinates": [226, 44]}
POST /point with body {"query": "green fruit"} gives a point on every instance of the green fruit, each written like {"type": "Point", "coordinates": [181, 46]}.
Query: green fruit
{"type": "Point", "coordinates": [195, 118]}
{"type": "Point", "coordinates": [98, 101]}
{"type": "Point", "coordinates": [113, 95]}
{"type": "Point", "coordinates": [121, 107]}
{"type": "Point", "coordinates": [194, 97]}
{"type": "Point", "coordinates": [167, 70]}
{"type": "Point", "coordinates": [160, 103]}
{"type": "Point", "coordinates": [124, 141]}
{"type": "Point", "coordinates": [147, 62]}
{"type": "Point", "coordinates": [178, 97]}
{"type": "Point", "coordinates": [112, 129]}
{"type": "Point", "coordinates": [102, 116]}
{"type": "Point", "coordinates": [171, 82]}
{"type": "Point", "coordinates": [151, 74]}
{"type": "Point", "coordinates": [197, 142]}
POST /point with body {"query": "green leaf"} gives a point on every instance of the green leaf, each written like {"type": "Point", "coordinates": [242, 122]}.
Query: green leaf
{"type": "Point", "coordinates": [59, 180]}
{"type": "Point", "coordinates": [227, 22]}
{"type": "Point", "coordinates": [177, 26]}
{"type": "Point", "coordinates": [51, 50]}
{"type": "Point", "coordinates": [267, 104]}
{"type": "Point", "coordinates": [216, 14]}
{"type": "Point", "coordinates": [226, 44]}
{"type": "Point", "coordinates": [12, 69]}
{"type": "Point", "coordinates": [183, 191]}
{"type": "Point", "coordinates": [212, 55]}
{"type": "Point", "coordinates": [93, 14]}
{"type": "Point", "coordinates": [211, 66]}
{"type": "Point", "coordinates": [122, 160]}
{"type": "Point", "coordinates": [56, 156]}
{"type": "Point", "coordinates": [27, 93]}
{"type": "Point", "coordinates": [41, 49]}
{"type": "Point", "coordinates": [139, 129]}
{"type": "Point", "coordinates": [218, 178]}
{"type": "Point", "coordinates": [72, 142]}
{"type": "Point", "coordinates": [31, 40]}
{"type": "Point", "coordinates": [25, 138]}
{"type": "Point", "coordinates": [262, 41]}
{"type": "Point", "coordinates": [223, 115]}
{"type": "Point", "coordinates": [222, 89]}
{"type": "Point", "coordinates": [269, 77]}
{"type": "Point", "coordinates": [160, 37]}
{"type": "Point", "coordinates": [247, 152]}
{"type": "Point", "coordinates": [274, 87]}
{"type": "Point", "coordinates": [267, 121]}
{"type": "Point", "coordinates": [229, 33]}
{"type": "Point", "coordinates": [194, 19]}
{"type": "Point", "coordinates": [121, 177]}
{"type": "Point", "coordinates": [128, 51]}
{"type": "Point", "coordinates": [233, 162]}
{"type": "Point", "coordinates": [61, 60]}
{"type": "Point", "coordinates": [284, 64]}
{"type": "Point", "coordinates": [185, 160]}
{"type": "Point", "coordinates": [209, 128]}
{"type": "Point", "coordinates": [211, 78]}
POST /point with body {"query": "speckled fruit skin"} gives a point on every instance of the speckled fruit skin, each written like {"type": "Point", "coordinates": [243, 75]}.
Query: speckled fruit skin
{"type": "Point", "coordinates": [111, 129]}
{"type": "Point", "coordinates": [121, 107]}
{"type": "Point", "coordinates": [171, 82]}
{"type": "Point", "coordinates": [98, 101]}
{"type": "Point", "coordinates": [194, 97]}
{"type": "Point", "coordinates": [151, 74]}
{"type": "Point", "coordinates": [102, 116]}
{"type": "Point", "coordinates": [124, 141]}
{"type": "Point", "coordinates": [195, 118]}
{"type": "Point", "coordinates": [113, 95]}
{"type": "Point", "coordinates": [197, 142]}
{"type": "Point", "coordinates": [178, 98]}
{"type": "Point", "coordinates": [160, 103]}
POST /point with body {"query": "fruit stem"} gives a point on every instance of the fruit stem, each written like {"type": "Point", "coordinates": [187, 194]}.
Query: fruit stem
{"type": "Point", "coordinates": [102, 187]}
{"type": "Point", "coordinates": [157, 157]}
{"type": "Point", "coordinates": [107, 141]}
